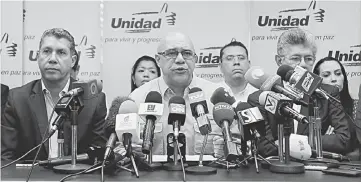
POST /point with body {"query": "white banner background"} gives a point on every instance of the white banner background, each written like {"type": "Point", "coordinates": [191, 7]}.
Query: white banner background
{"type": "Point", "coordinates": [210, 25]}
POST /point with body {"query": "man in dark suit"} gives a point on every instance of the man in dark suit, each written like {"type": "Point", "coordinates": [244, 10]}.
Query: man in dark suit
{"type": "Point", "coordinates": [4, 96]}
{"type": "Point", "coordinates": [358, 120]}
{"type": "Point", "coordinates": [297, 47]}
{"type": "Point", "coordinates": [29, 107]}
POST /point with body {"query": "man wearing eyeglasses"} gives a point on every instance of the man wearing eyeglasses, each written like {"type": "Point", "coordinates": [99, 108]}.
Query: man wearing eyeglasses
{"type": "Point", "coordinates": [296, 47]}
{"type": "Point", "coordinates": [176, 58]}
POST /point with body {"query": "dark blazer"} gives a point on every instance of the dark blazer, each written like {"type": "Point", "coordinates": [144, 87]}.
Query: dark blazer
{"type": "Point", "coordinates": [358, 118]}
{"type": "Point", "coordinates": [4, 96]}
{"type": "Point", "coordinates": [331, 113]}
{"type": "Point", "coordinates": [25, 121]}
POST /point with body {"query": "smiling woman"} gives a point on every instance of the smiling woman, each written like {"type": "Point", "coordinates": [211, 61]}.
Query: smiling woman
{"type": "Point", "coordinates": [144, 70]}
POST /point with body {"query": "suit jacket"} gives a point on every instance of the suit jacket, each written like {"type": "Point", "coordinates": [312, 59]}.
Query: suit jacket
{"type": "Point", "coordinates": [331, 113]}
{"type": "Point", "coordinates": [358, 118]}
{"type": "Point", "coordinates": [25, 121]}
{"type": "Point", "coordinates": [4, 96]}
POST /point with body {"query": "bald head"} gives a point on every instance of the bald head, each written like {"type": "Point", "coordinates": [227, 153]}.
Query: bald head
{"type": "Point", "coordinates": [175, 40]}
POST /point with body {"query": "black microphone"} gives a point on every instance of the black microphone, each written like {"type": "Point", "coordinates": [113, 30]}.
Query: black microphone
{"type": "Point", "coordinates": [86, 89]}
{"type": "Point", "coordinates": [223, 114]}
{"type": "Point", "coordinates": [280, 105]}
{"type": "Point", "coordinates": [265, 82]}
{"type": "Point", "coordinates": [177, 113]}
{"type": "Point", "coordinates": [330, 155]}
{"type": "Point", "coordinates": [199, 110]}
{"type": "Point", "coordinates": [221, 95]}
{"type": "Point", "coordinates": [250, 118]}
{"type": "Point", "coordinates": [150, 111]}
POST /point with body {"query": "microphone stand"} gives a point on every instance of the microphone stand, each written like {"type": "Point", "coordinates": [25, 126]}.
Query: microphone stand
{"type": "Point", "coordinates": [152, 165]}
{"type": "Point", "coordinates": [254, 143]}
{"type": "Point", "coordinates": [200, 169]}
{"type": "Point", "coordinates": [75, 106]}
{"type": "Point", "coordinates": [60, 142]}
{"type": "Point", "coordinates": [284, 165]}
{"type": "Point", "coordinates": [315, 138]}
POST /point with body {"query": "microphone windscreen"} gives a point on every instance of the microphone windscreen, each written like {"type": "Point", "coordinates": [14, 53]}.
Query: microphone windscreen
{"type": "Point", "coordinates": [256, 76]}
{"type": "Point", "coordinates": [128, 106]}
{"type": "Point", "coordinates": [112, 113]}
{"type": "Point", "coordinates": [223, 111]}
{"type": "Point", "coordinates": [283, 71]}
{"type": "Point", "coordinates": [242, 106]}
{"type": "Point", "coordinates": [221, 95]}
{"type": "Point", "coordinates": [99, 85]}
{"type": "Point", "coordinates": [153, 97]}
{"type": "Point", "coordinates": [262, 97]}
{"type": "Point", "coordinates": [194, 90]}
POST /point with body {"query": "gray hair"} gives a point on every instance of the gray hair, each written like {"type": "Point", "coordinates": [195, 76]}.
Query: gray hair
{"type": "Point", "coordinates": [59, 33]}
{"type": "Point", "coordinates": [296, 36]}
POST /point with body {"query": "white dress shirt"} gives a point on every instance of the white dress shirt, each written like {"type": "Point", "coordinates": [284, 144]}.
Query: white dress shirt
{"type": "Point", "coordinates": [53, 145]}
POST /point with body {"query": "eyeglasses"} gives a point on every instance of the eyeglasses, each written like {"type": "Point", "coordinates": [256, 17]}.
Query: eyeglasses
{"type": "Point", "coordinates": [173, 54]}
{"type": "Point", "coordinates": [310, 60]}
{"type": "Point", "coordinates": [231, 57]}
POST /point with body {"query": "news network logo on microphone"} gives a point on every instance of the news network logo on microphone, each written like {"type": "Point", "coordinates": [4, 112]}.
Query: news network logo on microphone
{"type": "Point", "coordinates": [177, 108]}
{"type": "Point", "coordinates": [291, 18]}
{"type": "Point", "coordinates": [249, 116]}
{"type": "Point", "coordinates": [150, 109]}
{"type": "Point", "coordinates": [352, 57]}
{"type": "Point", "coordinates": [145, 22]}
{"type": "Point", "coordinates": [221, 106]}
{"type": "Point", "coordinates": [8, 47]}
{"type": "Point", "coordinates": [196, 97]}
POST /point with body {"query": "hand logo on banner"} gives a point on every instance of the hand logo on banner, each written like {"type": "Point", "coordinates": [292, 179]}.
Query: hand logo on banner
{"type": "Point", "coordinates": [83, 46]}
{"type": "Point", "coordinates": [145, 25]}
{"type": "Point", "coordinates": [311, 8]}
{"type": "Point", "coordinates": [9, 47]}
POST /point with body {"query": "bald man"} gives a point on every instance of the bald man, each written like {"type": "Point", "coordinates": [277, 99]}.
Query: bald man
{"type": "Point", "coordinates": [176, 57]}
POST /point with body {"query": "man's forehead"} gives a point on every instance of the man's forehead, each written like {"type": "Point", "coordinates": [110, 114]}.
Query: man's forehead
{"type": "Point", "coordinates": [298, 50]}
{"type": "Point", "coordinates": [234, 50]}
{"type": "Point", "coordinates": [50, 40]}
{"type": "Point", "coordinates": [175, 40]}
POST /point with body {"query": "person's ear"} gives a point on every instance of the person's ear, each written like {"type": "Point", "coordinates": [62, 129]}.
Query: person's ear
{"type": "Point", "coordinates": [157, 59]}
{"type": "Point", "coordinates": [73, 60]}
{"type": "Point", "coordinates": [278, 60]}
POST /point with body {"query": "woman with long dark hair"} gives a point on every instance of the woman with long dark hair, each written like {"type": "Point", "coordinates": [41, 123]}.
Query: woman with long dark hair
{"type": "Point", "coordinates": [333, 73]}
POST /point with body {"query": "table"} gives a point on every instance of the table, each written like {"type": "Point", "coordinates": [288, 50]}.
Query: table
{"type": "Point", "coordinates": [13, 173]}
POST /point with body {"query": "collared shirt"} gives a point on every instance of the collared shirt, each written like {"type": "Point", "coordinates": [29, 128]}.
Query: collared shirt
{"type": "Point", "coordinates": [241, 96]}
{"type": "Point", "coordinates": [194, 139]}
{"type": "Point", "coordinates": [53, 145]}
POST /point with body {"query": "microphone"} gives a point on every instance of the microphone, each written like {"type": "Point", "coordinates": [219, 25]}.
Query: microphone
{"type": "Point", "coordinates": [177, 114]}
{"type": "Point", "coordinates": [265, 82]}
{"type": "Point", "coordinates": [119, 105]}
{"type": "Point", "coordinates": [150, 112]}
{"type": "Point", "coordinates": [223, 114]}
{"type": "Point", "coordinates": [249, 117]}
{"type": "Point", "coordinates": [330, 155]}
{"type": "Point", "coordinates": [199, 110]}
{"type": "Point", "coordinates": [221, 95]}
{"type": "Point", "coordinates": [63, 160]}
{"type": "Point", "coordinates": [280, 105]}
{"type": "Point", "coordinates": [302, 80]}
{"type": "Point", "coordinates": [56, 123]}
{"type": "Point", "coordinates": [86, 89]}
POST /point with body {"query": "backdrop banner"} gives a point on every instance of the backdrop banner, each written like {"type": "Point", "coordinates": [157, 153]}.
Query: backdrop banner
{"type": "Point", "coordinates": [132, 31]}
{"type": "Point", "coordinates": [337, 34]}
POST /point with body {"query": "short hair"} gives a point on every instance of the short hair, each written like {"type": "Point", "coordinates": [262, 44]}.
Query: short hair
{"type": "Point", "coordinates": [295, 36]}
{"type": "Point", "coordinates": [233, 44]}
{"type": "Point", "coordinates": [76, 62]}
{"type": "Point", "coordinates": [59, 33]}
{"type": "Point", "coordinates": [135, 66]}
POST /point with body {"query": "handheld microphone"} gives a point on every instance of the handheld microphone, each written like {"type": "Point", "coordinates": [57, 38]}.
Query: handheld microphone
{"type": "Point", "coordinates": [249, 117]}
{"type": "Point", "coordinates": [223, 114]}
{"type": "Point", "coordinates": [330, 155]}
{"type": "Point", "coordinates": [265, 82]}
{"type": "Point", "coordinates": [221, 95]}
{"type": "Point", "coordinates": [199, 110]}
{"type": "Point", "coordinates": [86, 89]}
{"type": "Point", "coordinates": [63, 160]}
{"type": "Point", "coordinates": [150, 112]}
{"type": "Point", "coordinates": [116, 124]}
{"type": "Point", "coordinates": [177, 114]}
{"type": "Point", "coordinates": [280, 105]}
{"type": "Point", "coordinates": [302, 80]}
